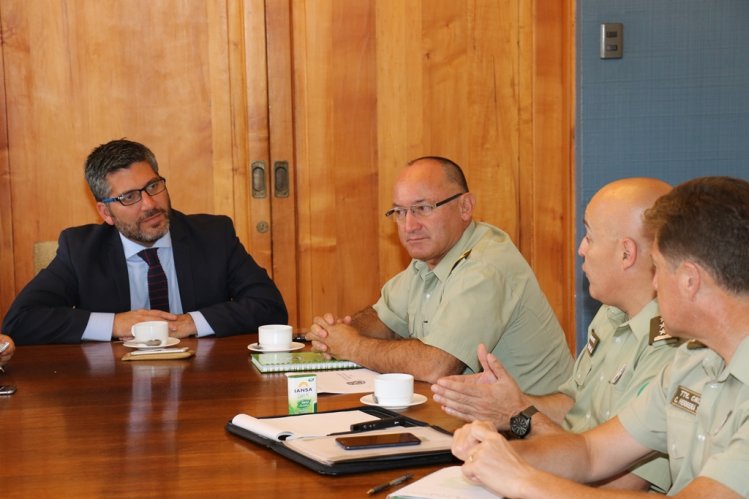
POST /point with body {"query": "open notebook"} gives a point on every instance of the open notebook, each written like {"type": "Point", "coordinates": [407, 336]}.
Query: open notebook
{"type": "Point", "coordinates": [307, 439]}
{"type": "Point", "coordinates": [310, 436]}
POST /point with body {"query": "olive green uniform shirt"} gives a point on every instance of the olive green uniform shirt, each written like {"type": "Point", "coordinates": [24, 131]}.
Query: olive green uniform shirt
{"type": "Point", "coordinates": [615, 365]}
{"type": "Point", "coordinates": [697, 410]}
{"type": "Point", "coordinates": [482, 291]}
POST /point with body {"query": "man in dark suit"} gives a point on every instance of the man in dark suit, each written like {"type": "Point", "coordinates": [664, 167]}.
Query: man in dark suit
{"type": "Point", "coordinates": [98, 285]}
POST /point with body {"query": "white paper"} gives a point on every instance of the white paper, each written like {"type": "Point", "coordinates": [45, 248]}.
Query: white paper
{"type": "Point", "coordinates": [307, 425]}
{"type": "Point", "coordinates": [447, 483]}
{"type": "Point", "coordinates": [346, 381]}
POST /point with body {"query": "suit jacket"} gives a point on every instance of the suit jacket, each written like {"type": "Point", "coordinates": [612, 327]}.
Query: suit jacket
{"type": "Point", "coordinates": [216, 276]}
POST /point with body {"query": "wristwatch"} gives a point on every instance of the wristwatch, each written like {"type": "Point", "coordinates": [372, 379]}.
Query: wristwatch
{"type": "Point", "coordinates": [520, 423]}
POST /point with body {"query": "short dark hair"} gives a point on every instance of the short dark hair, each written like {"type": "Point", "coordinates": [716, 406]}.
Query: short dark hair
{"type": "Point", "coordinates": [112, 156]}
{"type": "Point", "coordinates": [707, 220]}
{"type": "Point", "coordinates": [452, 170]}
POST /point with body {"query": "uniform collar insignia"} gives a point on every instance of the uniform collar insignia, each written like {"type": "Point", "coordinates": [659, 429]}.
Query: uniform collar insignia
{"type": "Point", "coordinates": [695, 345]}
{"type": "Point", "coordinates": [592, 342]}
{"type": "Point", "coordinates": [658, 331]}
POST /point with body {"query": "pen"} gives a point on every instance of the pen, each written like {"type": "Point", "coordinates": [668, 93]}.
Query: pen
{"type": "Point", "coordinates": [377, 424]}
{"type": "Point", "coordinates": [391, 483]}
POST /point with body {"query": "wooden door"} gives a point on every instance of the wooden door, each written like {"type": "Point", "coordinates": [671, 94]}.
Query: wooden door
{"type": "Point", "coordinates": [170, 74]}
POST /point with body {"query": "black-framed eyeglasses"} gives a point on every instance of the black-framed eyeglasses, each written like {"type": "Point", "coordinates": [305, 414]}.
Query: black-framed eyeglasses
{"type": "Point", "coordinates": [131, 197]}
{"type": "Point", "coordinates": [418, 210]}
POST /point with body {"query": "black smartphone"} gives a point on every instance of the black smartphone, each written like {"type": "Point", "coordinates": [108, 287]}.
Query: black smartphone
{"type": "Point", "coordinates": [7, 389]}
{"type": "Point", "coordinates": [375, 441]}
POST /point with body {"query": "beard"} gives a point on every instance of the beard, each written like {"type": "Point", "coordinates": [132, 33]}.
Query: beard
{"type": "Point", "coordinates": [141, 232]}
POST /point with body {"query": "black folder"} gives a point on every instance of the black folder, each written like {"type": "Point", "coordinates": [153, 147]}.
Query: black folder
{"type": "Point", "coordinates": [409, 457]}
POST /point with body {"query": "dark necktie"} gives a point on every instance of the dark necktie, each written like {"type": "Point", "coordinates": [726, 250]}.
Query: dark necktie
{"type": "Point", "coordinates": [158, 288]}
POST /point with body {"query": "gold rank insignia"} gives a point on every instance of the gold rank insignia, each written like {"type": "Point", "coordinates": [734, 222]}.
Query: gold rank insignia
{"type": "Point", "coordinates": [658, 331]}
{"type": "Point", "coordinates": [462, 257]}
{"type": "Point", "coordinates": [592, 342]}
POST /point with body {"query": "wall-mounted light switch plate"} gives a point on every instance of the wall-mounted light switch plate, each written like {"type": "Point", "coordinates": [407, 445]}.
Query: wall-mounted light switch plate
{"type": "Point", "coordinates": [612, 40]}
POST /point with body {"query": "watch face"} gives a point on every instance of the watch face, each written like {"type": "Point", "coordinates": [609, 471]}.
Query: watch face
{"type": "Point", "coordinates": [520, 425]}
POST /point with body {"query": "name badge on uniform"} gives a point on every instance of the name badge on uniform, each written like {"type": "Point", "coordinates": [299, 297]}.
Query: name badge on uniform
{"type": "Point", "coordinates": [686, 400]}
{"type": "Point", "coordinates": [658, 331]}
{"type": "Point", "coordinates": [592, 342]}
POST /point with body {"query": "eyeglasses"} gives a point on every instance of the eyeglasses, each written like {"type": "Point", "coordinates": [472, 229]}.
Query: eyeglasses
{"type": "Point", "coordinates": [418, 210]}
{"type": "Point", "coordinates": [131, 197]}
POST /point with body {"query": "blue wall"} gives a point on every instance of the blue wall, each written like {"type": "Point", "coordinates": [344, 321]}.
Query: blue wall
{"type": "Point", "coordinates": [676, 106]}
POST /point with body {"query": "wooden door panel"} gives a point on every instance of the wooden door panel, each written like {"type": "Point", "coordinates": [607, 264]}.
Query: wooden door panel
{"type": "Point", "coordinates": [335, 118]}
{"type": "Point", "coordinates": [547, 75]}
{"type": "Point", "coordinates": [7, 271]}
{"type": "Point", "coordinates": [282, 152]}
{"type": "Point", "coordinates": [251, 127]}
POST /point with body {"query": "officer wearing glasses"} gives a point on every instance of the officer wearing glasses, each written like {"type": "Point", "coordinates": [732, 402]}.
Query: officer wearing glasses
{"type": "Point", "coordinates": [147, 261]}
{"type": "Point", "coordinates": [467, 284]}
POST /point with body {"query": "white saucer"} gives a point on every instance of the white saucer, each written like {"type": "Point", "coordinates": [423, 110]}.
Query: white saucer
{"type": "Point", "coordinates": [170, 342]}
{"type": "Point", "coordinates": [416, 399]}
{"type": "Point", "coordinates": [255, 347]}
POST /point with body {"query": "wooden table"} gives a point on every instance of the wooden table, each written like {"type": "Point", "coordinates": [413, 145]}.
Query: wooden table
{"type": "Point", "coordinates": [86, 424]}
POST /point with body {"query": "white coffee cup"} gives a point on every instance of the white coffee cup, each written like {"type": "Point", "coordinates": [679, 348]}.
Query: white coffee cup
{"type": "Point", "coordinates": [274, 336]}
{"type": "Point", "coordinates": [394, 389]}
{"type": "Point", "coordinates": [151, 330]}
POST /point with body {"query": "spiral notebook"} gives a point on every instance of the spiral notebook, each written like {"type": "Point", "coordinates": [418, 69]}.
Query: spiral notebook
{"type": "Point", "coordinates": [297, 361]}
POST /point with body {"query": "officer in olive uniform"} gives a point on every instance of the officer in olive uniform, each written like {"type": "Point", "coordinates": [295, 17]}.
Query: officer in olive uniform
{"type": "Point", "coordinates": [697, 409]}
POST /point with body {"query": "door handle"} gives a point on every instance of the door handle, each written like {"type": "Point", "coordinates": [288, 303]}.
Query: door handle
{"type": "Point", "coordinates": [257, 172]}
{"type": "Point", "coordinates": [281, 179]}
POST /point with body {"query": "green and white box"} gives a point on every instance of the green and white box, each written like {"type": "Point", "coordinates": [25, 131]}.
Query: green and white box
{"type": "Point", "coordinates": [302, 393]}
